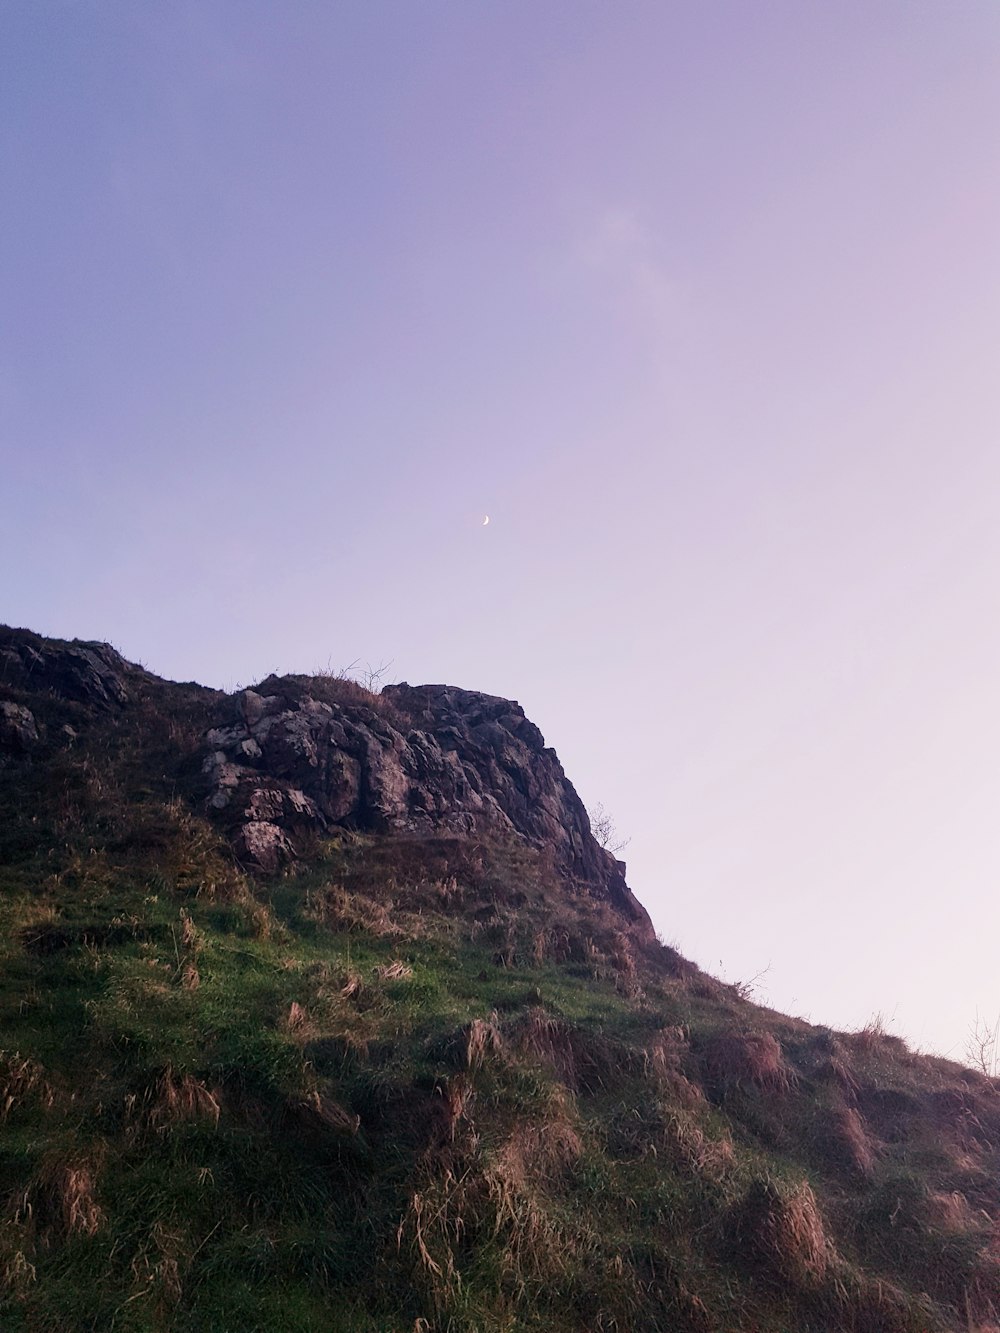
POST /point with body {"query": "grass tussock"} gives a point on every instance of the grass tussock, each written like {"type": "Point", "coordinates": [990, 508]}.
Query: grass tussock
{"type": "Point", "coordinates": [337, 909]}
{"type": "Point", "coordinates": [780, 1229]}
{"type": "Point", "coordinates": [394, 970]}
{"type": "Point", "coordinates": [321, 1114]}
{"type": "Point", "coordinates": [180, 1098]}
{"type": "Point", "coordinates": [875, 1039]}
{"type": "Point", "coordinates": [22, 1080]}
{"type": "Point", "coordinates": [61, 1201]}
{"type": "Point", "coordinates": [850, 1143]}
{"type": "Point", "coordinates": [742, 1060]}
{"type": "Point", "coordinates": [483, 1039]}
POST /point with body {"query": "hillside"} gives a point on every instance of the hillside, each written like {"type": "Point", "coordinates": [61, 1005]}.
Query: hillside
{"type": "Point", "coordinates": [322, 1010]}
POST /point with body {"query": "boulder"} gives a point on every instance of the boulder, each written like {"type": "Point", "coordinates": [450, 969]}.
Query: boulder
{"type": "Point", "coordinates": [18, 730]}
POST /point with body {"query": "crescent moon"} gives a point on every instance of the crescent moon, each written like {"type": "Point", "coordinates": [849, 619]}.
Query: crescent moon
{"type": "Point", "coordinates": [486, 520]}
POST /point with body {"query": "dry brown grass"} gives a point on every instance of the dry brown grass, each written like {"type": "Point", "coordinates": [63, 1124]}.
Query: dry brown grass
{"type": "Point", "coordinates": [505, 1192]}
{"type": "Point", "coordinates": [17, 1272]}
{"type": "Point", "coordinates": [500, 931]}
{"type": "Point", "coordinates": [875, 1039]}
{"type": "Point", "coordinates": [966, 1120]}
{"type": "Point", "coordinates": [664, 1059]}
{"type": "Point", "coordinates": [837, 1070]}
{"type": "Point", "coordinates": [21, 1079]}
{"type": "Point", "coordinates": [198, 860]}
{"type": "Point", "coordinates": [738, 1060]}
{"type": "Point", "coordinates": [156, 1272]}
{"type": "Point", "coordinates": [482, 1039]}
{"type": "Point", "coordinates": [538, 1246]}
{"type": "Point", "coordinates": [62, 1199]}
{"type": "Point", "coordinates": [297, 1020]}
{"type": "Point", "coordinates": [951, 1211]}
{"type": "Point", "coordinates": [190, 936]}
{"type": "Point", "coordinates": [548, 1042]}
{"type": "Point", "coordinates": [588, 1061]}
{"type": "Point", "coordinates": [827, 1057]}
{"type": "Point", "coordinates": [337, 909]}
{"type": "Point", "coordinates": [417, 871]}
{"type": "Point", "coordinates": [339, 688]}
{"type": "Point", "coordinates": [396, 970]}
{"type": "Point", "coordinates": [697, 1152]}
{"type": "Point", "coordinates": [781, 1230]}
{"type": "Point", "coordinates": [539, 1153]}
{"type": "Point", "coordinates": [351, 986]}
{"type": "Point", "coordinates": [457, 1095]}
{"type": "Point", "coordinates": [177, 1098]}
{"type": "Point", "coordinates": [662, 1130]}
{"type": "Point", "coordinates": [320, 1114]}
{"type": "Point", "coordinates": [850, 1142]}
{"type": "Point", "coordinates": [428, 1232]}
{"type": "Point", "coordinates": [867, 1304]}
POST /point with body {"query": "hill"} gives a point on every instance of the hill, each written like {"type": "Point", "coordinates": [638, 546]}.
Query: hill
{"type": "Point", "coordinates": [323, 1010]}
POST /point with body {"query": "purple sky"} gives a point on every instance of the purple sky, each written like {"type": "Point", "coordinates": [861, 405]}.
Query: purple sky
{"type": "Point", "coordinates": [700, 302]}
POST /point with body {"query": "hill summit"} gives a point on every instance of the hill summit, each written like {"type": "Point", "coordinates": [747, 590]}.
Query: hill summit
{"type": "Point", "coordinates": [323, 1009]}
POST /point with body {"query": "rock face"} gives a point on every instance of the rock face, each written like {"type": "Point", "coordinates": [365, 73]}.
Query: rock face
{"type": "Point", "coordinates": [292, 756]}
{"type": "Point", "coordinates": [301, 755]}
{"type": "Point", "coordinates": [90, 673]}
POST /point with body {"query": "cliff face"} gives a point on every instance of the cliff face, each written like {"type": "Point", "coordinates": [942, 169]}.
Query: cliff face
{"type": "Point", "coordinates": [415, 759]}
{"type": "Point", "coordinates": [299, 755]}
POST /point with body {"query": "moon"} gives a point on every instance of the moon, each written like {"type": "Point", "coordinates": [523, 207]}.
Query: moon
{"type": "Point", "coordinates": [486, 519]}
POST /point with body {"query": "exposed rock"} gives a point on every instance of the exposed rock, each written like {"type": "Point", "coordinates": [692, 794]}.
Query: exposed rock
{"type": "Point", "coordinates": [18, 731]}
{"type": "Point", "coordinates": [264, 844]}
{"type": "Point", "coordinates": [299, 755]}
{"type": "Point", "coordinates": [419, 759]}
{"type": "Point", "coordinates": [90, 673]}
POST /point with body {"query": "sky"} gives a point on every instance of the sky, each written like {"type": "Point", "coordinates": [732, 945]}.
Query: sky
{"type": "Point", "coordinates": [700, 303]}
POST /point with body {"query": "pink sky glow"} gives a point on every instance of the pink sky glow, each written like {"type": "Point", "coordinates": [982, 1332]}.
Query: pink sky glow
{"type": "Point", "coordinates": [700, 303]}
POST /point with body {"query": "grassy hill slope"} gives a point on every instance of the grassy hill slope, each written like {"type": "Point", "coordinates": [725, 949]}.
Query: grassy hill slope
{"type": "Point", "coordinates": [422, 1084]}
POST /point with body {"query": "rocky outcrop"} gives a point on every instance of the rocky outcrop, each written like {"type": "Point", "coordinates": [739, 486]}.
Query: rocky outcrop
{"type": "Point", "coordinates": [291, 756]}
{"type": "Point", "coordinates": [301, 755]}
{"type": "Point", "coordinates": [88, 673]}
{"type": "Point", "coordinates": [18, 730]}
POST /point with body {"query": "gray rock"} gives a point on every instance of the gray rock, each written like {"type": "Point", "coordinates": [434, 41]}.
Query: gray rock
{"type": "Point", "coordinates": [90, 673]}
{"type": "Point", "coordinates": [264, 845]}
{"type": "Point", "coordinates": [417, 759]}
{"type": "Point", "coordinates": [18, 729]}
